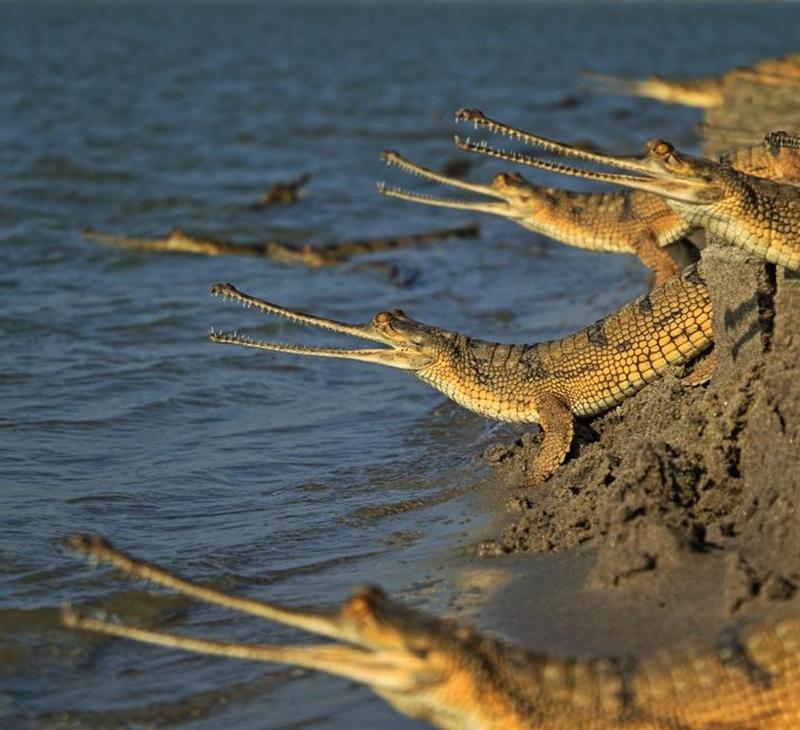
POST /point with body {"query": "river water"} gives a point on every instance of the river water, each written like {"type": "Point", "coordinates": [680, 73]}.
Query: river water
{"type": "Point", "coordinates": [277, 477]}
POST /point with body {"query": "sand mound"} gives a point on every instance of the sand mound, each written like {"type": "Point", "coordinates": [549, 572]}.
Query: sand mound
{"type": "Point", "coordinates": [678, 471]}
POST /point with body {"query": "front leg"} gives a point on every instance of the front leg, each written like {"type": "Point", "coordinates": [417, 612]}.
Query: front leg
{"type": "Point", "coordinates": [656, 258]}
{"type": "Point", "coordinates": [558, 425]}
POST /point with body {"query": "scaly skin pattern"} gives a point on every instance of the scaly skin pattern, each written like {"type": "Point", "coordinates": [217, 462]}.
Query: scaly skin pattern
{"type": "Point", "coordinates": [589, 371]}
{"type": "Point", "coordinates": [704, 92]}
{"type": "Point", "coordinates": [548, 383]}
{"type": "Point", "coordinates": [778, 159]}
{"type": "Point", "coordinates": [758, 215]}
{"type": "Point", "coordinates": [628, 222]}
{"type": "Point", "coordinates": [458, 679]}
{"type": "Point", "coordinates": [178, 241]}
{"type": "Point", "coordinates": [608, 222]}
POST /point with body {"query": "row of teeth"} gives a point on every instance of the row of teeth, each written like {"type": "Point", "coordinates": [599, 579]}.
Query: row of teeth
{"type": "Point", "coordinates": [481, 147]}
{"type": "Point", "coordinates": [519, 158]}
{"type": "Point", "coordinates": [404, 165]}
{"type": "Point", "coordinates": [227, 294]}
{"type": "Point", "coordinates": [385, 189]}
{"type": "Point", "coordinates": [494, 127]}
{"type": "Point", "coordinates": [232, 337]}
{"type": "Point", "coordinates": [511, 133]}
{"type": "Point", "coordinates": [485, 148]}
{"type": "Point", "coordinates": [246, 303]}
{"type": "Point", "coordinates": [390, 191]}
{"type": "Point", "coordinates": [481, 144]}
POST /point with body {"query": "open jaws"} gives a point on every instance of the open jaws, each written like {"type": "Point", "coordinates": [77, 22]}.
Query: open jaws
{"type": "Point", "coordinates": [396, 353]}
{"type": "Point", "coordinates": [369, 652]}
{"type": "Point", "coordinates": [660, 169]}
{"type": "Point", "coordinates": [394, 159]}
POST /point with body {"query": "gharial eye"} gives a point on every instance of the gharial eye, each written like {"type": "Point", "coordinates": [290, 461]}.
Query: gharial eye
{"type": "Point", "coordinates": [382, 318]}
{"type": "Point", "coordinates": [663, 148]}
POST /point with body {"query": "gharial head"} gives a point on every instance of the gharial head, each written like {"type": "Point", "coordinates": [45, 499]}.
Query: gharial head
{"type": "Point", "coordinates": [660, 169]}
{"type": "Point", "coordinates": [512, 186]}
{"type": "Point", "coordinates": [405, 655]}
{"type": "Point", "coordinates": [409, 344]}
{"type": "Point", "coordinates": [514, 196]}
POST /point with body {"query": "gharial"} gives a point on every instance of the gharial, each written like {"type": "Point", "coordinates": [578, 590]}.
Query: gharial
{"type": "Point", "coordinates": [458, 679]}
{"type": "Point", "coordinates": [755, 214]}
{"type": "Point", "coordinates": [548, 383]}
{"type": "Point", "coordinates": [628, 222]}
{"type": "Point", "coordinates": [705, 91]}
{"type": "Point", "coordinates": [179, 241]}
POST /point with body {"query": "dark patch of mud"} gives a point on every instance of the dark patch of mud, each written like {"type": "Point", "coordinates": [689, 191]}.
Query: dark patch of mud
{"type": "Point", "coordinates": [678, 474]}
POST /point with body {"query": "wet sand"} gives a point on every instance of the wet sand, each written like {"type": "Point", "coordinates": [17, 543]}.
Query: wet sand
{"type": "Point", "coordinates": [676, 514]}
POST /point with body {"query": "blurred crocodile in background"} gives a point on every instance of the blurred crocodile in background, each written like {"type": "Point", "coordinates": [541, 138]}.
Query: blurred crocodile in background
{"type": "Point", "coordinates": [456, 678]}
{"type": "Point", "coordinates": [332, 254]}
{"type": "Point", "coordinates": [705, 91]}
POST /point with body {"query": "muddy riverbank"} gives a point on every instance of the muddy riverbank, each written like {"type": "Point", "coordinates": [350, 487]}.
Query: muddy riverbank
{"type": "Point", "coordinates": [682, 493]}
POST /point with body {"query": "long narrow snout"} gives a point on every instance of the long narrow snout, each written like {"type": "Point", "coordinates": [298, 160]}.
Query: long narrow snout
{"type": "Point", "coordinates": [394, 159]}
{"type": "Point", "coordinates": [369, 630]}
{"type": "Point", "coordinates": [394, 354]}
{"type": "Point", "coordinates": [661, 169]}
